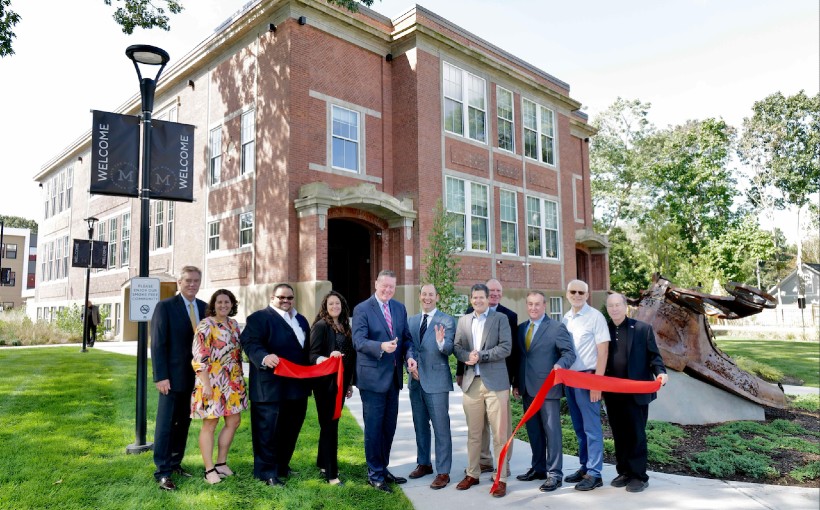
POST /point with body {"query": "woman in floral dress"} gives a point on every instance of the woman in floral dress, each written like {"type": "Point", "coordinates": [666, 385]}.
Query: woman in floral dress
{"type": "Point", "coordinates": [220, 386]}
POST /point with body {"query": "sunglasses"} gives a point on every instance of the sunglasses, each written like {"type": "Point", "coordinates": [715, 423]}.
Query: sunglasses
{"type": "Point", "coordinates": [579, 292]}
{"type": "Point", "coordinates": [284, 298]}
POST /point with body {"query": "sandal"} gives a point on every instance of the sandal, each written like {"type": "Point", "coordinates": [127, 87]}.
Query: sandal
{"type": "Point", "coordinates": [212, 476]}
{"type": "Point", "coordinates": [225, 471]}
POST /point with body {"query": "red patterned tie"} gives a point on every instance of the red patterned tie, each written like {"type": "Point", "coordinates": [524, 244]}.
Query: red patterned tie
{"type": "Point", "coordinates": [388, 318]}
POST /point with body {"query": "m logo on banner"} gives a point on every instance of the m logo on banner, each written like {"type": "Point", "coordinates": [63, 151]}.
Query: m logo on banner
{"type": "Point", "coordinates": [114, 154]}
{"type": "Point", "coordinates": [172, 163]}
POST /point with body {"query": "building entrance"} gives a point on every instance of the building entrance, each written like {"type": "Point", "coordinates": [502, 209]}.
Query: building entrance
{"type": "Point", "coordinates": [349, 260]}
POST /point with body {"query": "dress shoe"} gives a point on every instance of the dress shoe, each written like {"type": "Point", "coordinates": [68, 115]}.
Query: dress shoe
{"type": "Point", "coordinates": [274, 481]}
{"type": "Point", "coordinates": [620, 481]}
{"type": "Point", "coordinates": [550, 485]}
{"type": "Point", "coordinates": [636, 485]}
{"type": "Point", "coordinates": [390, 477]}
{"type": "Point", "coordinates": [468, 482]}
{"type": "Point", "coordinates": [486, 468]}
{"type": "Point", "coordinates": [500, 491]}
{"type": "Point", "coordinates": [336, 482]}
{"type": "Point", "coordinates": [421, 470]}
{"type": "Point", "coordinates": [181, 472]}
{"type": "Point", "coordinates": [440, 482]}
{"type": "Point", "coordinates": [380, 486]}
{"type": "Point", "coordinates": [166, 484]}
{"type": "Point", "coordinates": [531, 475]}
{"type": "Point", "coordinates": [589, 483]}
{"type": "Point", "coordinates": [576, 476]}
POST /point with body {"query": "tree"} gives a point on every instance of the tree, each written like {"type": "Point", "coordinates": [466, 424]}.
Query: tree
{"type": "Point", "coordinates": [441, 266]}
{"type": "Point", "coordinates": [781, 141]}
{"type": "Point", "coordinates": [617, 162]}
{"type": "Point", "coordinates": [691, 180]}
{"type": "Point", "coordinates": [18, 222]}
{"type": "Point", "coordinates": [629, 271]}
{"type": "Point", "coordinates": [130, 15]}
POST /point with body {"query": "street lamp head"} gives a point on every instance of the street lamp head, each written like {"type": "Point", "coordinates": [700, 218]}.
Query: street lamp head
{"type": "Point", "coordinates": [146, 54]}
{"type": "Point", "coordinates": [91, 221]}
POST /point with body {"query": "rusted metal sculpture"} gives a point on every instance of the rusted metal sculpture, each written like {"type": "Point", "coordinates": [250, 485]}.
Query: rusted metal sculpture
{"type": "Point", "coordinates": [687, 344]}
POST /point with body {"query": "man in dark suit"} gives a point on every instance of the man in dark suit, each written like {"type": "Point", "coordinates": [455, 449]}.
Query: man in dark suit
{"type": "Point", "coordinates": [172, 335]}
{"type": "Point", "coordinates": [633, 354]}
{"type": "Point", "coordinates": [430, 385]}
{"type": "Point", "coordinates": [93, 321]}
{"type": "Point", "coordinates": [483, 342]}
{"type": "Point", "coordinates": [278, 404]}
{"type": "Point", "coordinates": [382, 341]}
{"type": "Point", "coordinates": [542, 344]}
{"type": "Point", "coordinates": [496, 292]}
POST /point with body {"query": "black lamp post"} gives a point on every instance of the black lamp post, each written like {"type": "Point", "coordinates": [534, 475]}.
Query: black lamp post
{"type": "Point", "coordinates": [152, 56]}
{"type": "Point", "coordinates": [91, 222]}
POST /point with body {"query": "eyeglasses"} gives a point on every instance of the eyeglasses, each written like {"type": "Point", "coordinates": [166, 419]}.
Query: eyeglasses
{"type": "Point", "coordinates": [579, 292]}
{"type": "Point", "coordinates": [284, 298]}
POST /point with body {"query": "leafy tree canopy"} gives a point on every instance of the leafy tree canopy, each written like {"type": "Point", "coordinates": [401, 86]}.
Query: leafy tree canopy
{"type": "Point", "coordinates": [18, 222]}
{"type": "Point", "coordinates": [129, 14]}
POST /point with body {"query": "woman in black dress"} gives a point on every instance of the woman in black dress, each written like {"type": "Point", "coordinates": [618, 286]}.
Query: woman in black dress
{"type": "Point", "coordinates": [330, 336]}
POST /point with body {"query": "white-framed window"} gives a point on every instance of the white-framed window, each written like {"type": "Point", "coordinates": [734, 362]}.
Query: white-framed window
{"type": "Point", "coordinates": [44, 264]}
{"type": "Point", "coordinates": [102, 236]}
{"type": "Point", "coordinates": [246, 229]}
{"type": "Point", "coordinates": [248, 141]}
{"type": "Point", "coordinates": [47, 193]}
{"type": "Point", "coordinates": [69, 185]}
{"type": "Point", "coordinates": [10, 250]}
{"type": "Point", "coordinates": [54, 185]}
{"type": "Point", "coordinates": [159, 225]}
{"type": "Point", "coordinates": [468, 201]}
{"type": "Point", "coordinates": [125, 240]}
{"type": "Point", "coordinates": [117, 323]}
{"type": "Point", "coordinates": [508, 214]}
{"type": "Point", "coordinates": [345, 137]}
{"type": "Point", "coordinates": [169, 226]}
{"type": "Point", "coordinates": [213, 236]}
{"type": "Point", "coordinates": [113, 236]}
{"type": "Point", "coordinates": [60, 191]}
{"type": "Point", "coordinates": [539, 132]}
{"type": "Point", "coordinates": [458, 86]}
{"type": "Point", "coordinates": [58, 259]}
{"type": "Point", "coordinates": [215, 168]}
{"type": "Point", "coordinates": [542, 228]}
{"type": "Point", "coordinates": [50, 261]}
{"type": "Point", "coordinates": [66, 255]}
{"type": "Point", "coordinates": [506, 125]}
{"type": "Point", "coordinates": [556, 308]}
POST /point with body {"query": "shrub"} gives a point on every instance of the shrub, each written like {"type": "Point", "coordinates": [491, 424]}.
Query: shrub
{"type": "Point", "coordinates": [661, 438]}
{"type": "Point", "coordinates": [722, 462]}
{"type": "Point", "coordinates": [806, 402]}
{"type": "Point", "coordinates": [759, 369]}
{"type": "Point", "coordinates": [810, 471]}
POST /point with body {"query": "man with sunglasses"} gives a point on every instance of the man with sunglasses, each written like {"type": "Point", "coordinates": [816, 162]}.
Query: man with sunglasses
{"type": "Point", "coordinates": [590, 336]}
{"type": "Point", "coordinates": [278, 404]}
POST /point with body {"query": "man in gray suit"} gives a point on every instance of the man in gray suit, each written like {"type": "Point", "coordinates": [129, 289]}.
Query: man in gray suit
{"type": "Point", "coordinates": [431, 382]}
{"type": "Point", "coordinates": [542, 344]}
{"type": "Point", "coordinates": [483, 342]}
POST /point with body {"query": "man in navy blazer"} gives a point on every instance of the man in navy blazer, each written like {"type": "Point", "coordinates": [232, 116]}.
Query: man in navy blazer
{"type": "Point", "coordinates": [278, 404]}
{"type": "Point", "coordinates": [382, 341]}
{"type": "Point", "coordinates": [172, 335]}
{"type": "Point", "coordinates": [633, 354]}
{"type": "Point", "coordinates": [430, 385]}
{"type": "Point", "coordinates": [542, 344]}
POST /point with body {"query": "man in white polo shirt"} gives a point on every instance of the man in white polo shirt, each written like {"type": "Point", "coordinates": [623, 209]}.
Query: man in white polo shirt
{"type": "Point", "coordinates": [590, 335]}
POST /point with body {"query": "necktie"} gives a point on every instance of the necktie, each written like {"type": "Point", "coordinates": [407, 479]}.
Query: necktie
{"type": "Point", "coordinates": [388, 318]}
{"type": "Point", "coordinates": [192, 315]}
{"type": "Point", "coordinates": [528, 338]}
{"type": "Point", "coordinates": [423, 328]}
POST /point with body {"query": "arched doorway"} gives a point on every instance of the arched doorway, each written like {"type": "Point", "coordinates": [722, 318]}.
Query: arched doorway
{"type": "Point", "coordinates": [349, 259]}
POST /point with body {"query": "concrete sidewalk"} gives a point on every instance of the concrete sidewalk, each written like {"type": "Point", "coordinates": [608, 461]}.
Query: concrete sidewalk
{"type": "Point", "coordinates": [664, 492]}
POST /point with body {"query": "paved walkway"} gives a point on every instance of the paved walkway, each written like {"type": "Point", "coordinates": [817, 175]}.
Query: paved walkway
{"type": "Point", "coordinates": [665, 491]}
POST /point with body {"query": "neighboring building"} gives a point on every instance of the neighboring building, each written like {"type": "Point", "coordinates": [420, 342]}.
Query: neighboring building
{"type": "Point", "coordinates": [18, 258]}
{"type": "Point", "coordinates": [325, 139]}
{"type": "Point", "coordinates": [787, 291]}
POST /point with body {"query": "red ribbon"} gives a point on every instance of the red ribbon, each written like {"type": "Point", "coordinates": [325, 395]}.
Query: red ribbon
{"type": "Point", "coordinates": [574, 379]}
{"type": "Point", "coordinates": [329, 366]}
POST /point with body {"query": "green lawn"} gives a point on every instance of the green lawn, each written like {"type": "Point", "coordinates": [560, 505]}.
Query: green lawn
{"type": "Point", "coordinates": [66, 418]}
{"type": "Point", "coordinates": [800, 360]}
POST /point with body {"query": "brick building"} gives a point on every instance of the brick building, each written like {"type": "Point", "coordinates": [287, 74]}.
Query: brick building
{"type": "Point", "coordinates": [324, 140]}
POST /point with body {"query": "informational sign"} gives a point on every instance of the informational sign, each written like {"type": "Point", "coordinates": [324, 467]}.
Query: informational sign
{"type": "Point", "coordinates": [144, 298]}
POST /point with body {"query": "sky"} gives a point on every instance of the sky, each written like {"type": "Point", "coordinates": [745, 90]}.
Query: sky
{"type": "Point", "coordinates": [691, 59]}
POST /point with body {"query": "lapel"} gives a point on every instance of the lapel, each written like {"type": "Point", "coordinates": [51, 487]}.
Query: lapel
{"type": "Point", "coordinates": [540, 333]}
{"type": "Point", "coordinates": [414, 323]}
{"type": "Point", "coordinates": [630, 333]}
{"type": "Point", "coordinates": [431, 326]}
{"type": "Point", "coordinates": [486, 331]}
{"type": "Point", "coordinates": [183, 311]}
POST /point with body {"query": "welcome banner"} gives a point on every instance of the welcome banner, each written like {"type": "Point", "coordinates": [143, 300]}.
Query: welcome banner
{"type": "Point", "coordinates": [172, 161]}
{"type": "Point", "coordinates": [115, 145]}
